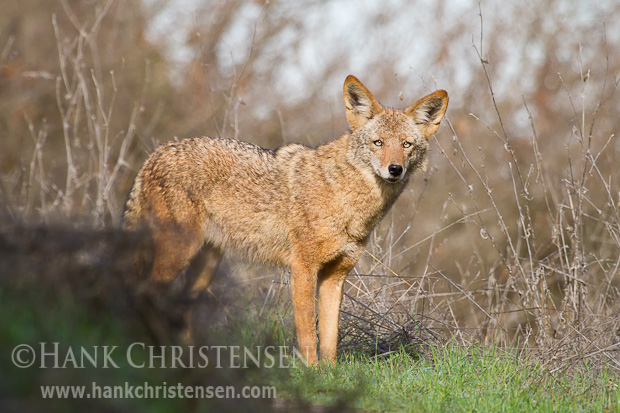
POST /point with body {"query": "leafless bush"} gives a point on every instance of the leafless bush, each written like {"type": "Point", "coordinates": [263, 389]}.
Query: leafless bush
{"type": "Point", "coordinates": [525, 247]}
{"type": "Point", "coordinates": [81, 127]}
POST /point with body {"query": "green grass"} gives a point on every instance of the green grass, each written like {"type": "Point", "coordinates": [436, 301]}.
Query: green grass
{"type": "Point", "coordinates": [37, 308]}
{"type": "Point", "coordinates": [451, 378]}
{"type": "Point", "coordinates": [454, 379]}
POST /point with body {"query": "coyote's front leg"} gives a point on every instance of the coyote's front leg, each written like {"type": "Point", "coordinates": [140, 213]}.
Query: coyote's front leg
{"type": "Point", "coordinates": [303, 290]}
{"type": "Point", "coordinates": [331, 280]}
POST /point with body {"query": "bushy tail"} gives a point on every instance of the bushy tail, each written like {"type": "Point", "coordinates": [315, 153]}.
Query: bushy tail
{"type": "Point", "coordinates": [131, 211]}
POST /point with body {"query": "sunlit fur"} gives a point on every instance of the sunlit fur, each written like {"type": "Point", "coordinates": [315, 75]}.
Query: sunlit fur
{"type": "Point", "coordinates": [311, 209]}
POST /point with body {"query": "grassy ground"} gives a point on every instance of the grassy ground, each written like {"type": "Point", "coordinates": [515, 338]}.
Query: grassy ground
{"type": "Point", "coordinates": [456, 378]}
{"type": "Point", "coordinates": [447, 377]}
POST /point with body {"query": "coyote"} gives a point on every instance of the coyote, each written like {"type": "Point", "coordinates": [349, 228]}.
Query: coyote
{"type": "Point", "coordinates": [311, 209]}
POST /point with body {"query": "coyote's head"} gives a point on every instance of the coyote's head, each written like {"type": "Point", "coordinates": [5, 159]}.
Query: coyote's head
{"type": "Point", "coordinates": [393, 142]}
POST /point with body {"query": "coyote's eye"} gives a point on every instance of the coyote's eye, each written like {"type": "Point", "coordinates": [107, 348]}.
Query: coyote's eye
{"type": "Point", "coordinates": [406, 144]}
{"type": "Point", "coordinates": [378, 142]}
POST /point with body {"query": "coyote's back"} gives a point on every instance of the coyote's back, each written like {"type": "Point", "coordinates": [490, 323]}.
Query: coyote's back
{"type": "Point", "coordinates": [309, 209]}
{"type": "Point", "coordinates": [223, 191]}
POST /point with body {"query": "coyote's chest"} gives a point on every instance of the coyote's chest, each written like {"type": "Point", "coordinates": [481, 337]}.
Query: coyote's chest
{"type": "Point", "coordinates": [367, 210]}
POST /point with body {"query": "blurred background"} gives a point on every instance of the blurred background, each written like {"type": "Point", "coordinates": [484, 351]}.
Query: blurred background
{"type": "Point", "coordinates": [512, 235]}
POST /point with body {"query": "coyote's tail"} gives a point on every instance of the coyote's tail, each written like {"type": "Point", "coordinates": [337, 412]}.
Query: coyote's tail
{"type": "Point", "coordinates": [131, 211]}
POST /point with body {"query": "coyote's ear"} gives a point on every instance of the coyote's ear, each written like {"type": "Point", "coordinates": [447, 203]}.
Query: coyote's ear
{"type": "Point", "coordinates": [428, 112]}
{"type": "Point", "coordinates": [361, 105]}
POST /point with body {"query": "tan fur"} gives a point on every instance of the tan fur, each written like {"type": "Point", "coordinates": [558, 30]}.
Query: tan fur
{"type": "Point", "coordinates": [310, 209]}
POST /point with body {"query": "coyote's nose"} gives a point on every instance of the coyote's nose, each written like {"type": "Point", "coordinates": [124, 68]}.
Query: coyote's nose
{"type": "Point", "coordinates": [395, 170]}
